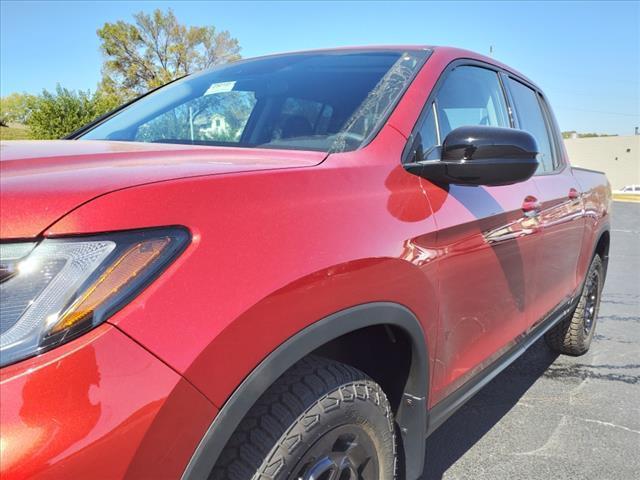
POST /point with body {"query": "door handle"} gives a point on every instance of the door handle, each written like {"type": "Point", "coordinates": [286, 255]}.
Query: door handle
{"type": "Point", "coordinates": [573, 194]}
{"type": "Point", "coordinates": [531, 206]}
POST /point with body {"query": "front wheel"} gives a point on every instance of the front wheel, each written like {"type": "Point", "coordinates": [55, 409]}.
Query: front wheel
{"type": "Point", "coordinates": [573, 335]}
{"type": "Point", "coordinates": [322, 420]}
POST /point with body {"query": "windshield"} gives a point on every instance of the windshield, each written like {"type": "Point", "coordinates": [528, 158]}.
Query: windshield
{"type": "Point", "coordinates": [326, 101]}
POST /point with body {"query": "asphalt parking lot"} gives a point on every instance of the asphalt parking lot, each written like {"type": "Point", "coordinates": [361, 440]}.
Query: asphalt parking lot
{"type": "Point", "coordinates": [550, 416]}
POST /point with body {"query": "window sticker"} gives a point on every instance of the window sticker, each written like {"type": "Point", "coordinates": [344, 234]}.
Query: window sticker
{"type": "Point", "coordinates": [219, 88]}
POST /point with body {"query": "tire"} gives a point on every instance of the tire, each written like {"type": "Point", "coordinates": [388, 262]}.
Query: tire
{"type": "Point", "coordinates": [320, 417]}
{"type": "Point", "coordinates": [573, 335]}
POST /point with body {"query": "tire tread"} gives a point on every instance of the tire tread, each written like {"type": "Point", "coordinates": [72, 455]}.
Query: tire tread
{"type": "Point", "coordinates": [298, 399]}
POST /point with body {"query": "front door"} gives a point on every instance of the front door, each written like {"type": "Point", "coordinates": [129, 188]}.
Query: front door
{"type": "Point", "coordinates": [487, 244]}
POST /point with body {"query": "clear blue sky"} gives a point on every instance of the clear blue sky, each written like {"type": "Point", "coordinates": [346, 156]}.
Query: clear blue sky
{"type": "Point", "coordinates": [585, 55]}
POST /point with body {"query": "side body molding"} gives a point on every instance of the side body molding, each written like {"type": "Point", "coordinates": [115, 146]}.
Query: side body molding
{"type": "Point", "coordinates": [412, 412]}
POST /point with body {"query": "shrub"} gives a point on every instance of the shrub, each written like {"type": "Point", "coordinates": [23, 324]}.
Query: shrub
{"type": "Point", "coordinates": [54, 115]}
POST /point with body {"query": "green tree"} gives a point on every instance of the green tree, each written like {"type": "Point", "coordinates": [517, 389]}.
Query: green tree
{"type": "Point", "coordinates": [156, 49]}
{"type": "Point", "coordinates": [573, 133]}
{"type": "Point", "coordinates": [15, 108]}
{"type": "Point", "coordinates": [54, 115]}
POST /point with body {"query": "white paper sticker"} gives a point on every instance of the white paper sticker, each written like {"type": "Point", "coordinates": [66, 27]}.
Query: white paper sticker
{"type": "Point", "coordinates": [219, 88]}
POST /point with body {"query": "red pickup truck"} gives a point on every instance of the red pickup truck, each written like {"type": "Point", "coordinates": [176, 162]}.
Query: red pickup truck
{"type": "Point", "coordinates": [290, 267]}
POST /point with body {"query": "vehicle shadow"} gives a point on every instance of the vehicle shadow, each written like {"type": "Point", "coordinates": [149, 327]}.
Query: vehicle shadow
{"type": "Point", "coordinates": [469, 424]}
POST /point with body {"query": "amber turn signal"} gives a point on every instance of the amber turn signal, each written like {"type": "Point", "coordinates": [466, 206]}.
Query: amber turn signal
{"type": "Point", "coordinates": [112, 281]}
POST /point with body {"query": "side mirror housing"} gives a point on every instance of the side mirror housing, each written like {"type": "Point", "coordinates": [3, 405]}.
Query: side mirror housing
{"type": "Point", "coordinates": [481, 155]}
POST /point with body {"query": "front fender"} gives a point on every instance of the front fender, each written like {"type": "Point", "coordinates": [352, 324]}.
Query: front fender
{"type": "Point", "coordinates": [412, 419]}
{"type": "Point", "coordinates": [252, 336]}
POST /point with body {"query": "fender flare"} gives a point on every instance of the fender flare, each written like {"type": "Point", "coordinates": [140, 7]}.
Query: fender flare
{"type": "Point", "coordinates": [411, 415]}
{"type": "Point", "coordinates": [604, 228]}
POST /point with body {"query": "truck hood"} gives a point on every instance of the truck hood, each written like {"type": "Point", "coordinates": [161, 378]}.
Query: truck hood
{"type": "Point", "coordinates": [40, 181]}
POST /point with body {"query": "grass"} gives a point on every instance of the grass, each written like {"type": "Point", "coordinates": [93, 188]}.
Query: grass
{"type": "Point", "coordinates": [14, 132]}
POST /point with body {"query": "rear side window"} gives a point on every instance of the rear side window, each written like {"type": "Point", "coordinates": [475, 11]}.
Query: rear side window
{"type": "Point", "coordinates": [471, 96]}
{"type": "Point", "coordinates": [531, 119]}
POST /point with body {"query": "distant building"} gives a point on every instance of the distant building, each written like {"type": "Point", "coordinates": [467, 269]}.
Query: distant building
{"type": "Point", "coordinates": [618, 157]}
{"type": "Point", "coordinates": [219, 128]}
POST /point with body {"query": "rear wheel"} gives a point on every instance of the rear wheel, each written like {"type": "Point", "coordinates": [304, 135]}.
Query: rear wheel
{"type": "Point", "coordinates": [322, 420]}
{"type": "Point", "coordinates": [573, 335]}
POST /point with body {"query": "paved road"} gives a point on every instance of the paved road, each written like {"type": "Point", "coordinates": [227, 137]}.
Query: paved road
{"type": "Point", "coordinates": [550, 416]}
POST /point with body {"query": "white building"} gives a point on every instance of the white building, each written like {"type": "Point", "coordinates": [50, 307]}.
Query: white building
{"type": "Point", "coordinates": [218, 128]}
{"type": "Point", "coordinates": [618, 157]}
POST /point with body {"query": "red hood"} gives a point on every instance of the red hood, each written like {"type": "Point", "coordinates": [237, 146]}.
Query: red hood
{"type": "Point", "coordinates": [40, 181]}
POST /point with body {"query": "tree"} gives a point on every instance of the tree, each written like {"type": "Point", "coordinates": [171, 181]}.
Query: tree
{"type": "Point", "coordinates": [55, 115]}
{"type": "Point", "coordinates": [156, 49]}
{"type": "Point", "coordinates": [15, 108]}
{"type": "Point", "coordinates": [574, 134]}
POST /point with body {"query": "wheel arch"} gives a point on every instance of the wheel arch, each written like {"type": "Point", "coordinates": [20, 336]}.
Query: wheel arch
{"type": "Point", "coordinates": [411, 411]}
{"type": "Point", "coordinates": [602, 247]}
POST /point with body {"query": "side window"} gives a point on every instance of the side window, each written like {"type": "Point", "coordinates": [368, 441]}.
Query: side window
{"type": "Point", "coordinates": [554, 133]}
{"type": "Point", "coordinates": [428, 131]}
{"type": "Point", "coordinates": [531, 119]}
{"type": "Point", "coordinates": [471, 96]}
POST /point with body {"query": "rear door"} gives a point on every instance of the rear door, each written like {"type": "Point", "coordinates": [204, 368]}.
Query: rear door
{"type": "Point", "coordinates": [560, 207]}
{"type": "Point", "coordinates": [487, 244]}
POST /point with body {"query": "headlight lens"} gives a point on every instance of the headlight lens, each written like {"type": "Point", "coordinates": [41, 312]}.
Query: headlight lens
{"type": "Point", "coordinates": [57, 289]}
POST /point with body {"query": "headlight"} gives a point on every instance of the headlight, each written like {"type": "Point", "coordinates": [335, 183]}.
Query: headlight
{"type": "Point", "coordinates": [57, 289]}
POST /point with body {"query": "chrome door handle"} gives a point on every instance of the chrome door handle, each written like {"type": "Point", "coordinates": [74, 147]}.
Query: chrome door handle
{"type": "Point", "coordinates": [573, 194]}
{"type": "Point", "coordinates": [531, 206]}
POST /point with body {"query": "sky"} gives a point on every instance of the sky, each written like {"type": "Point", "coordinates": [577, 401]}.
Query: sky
{"type": "Point", "coordinates": [584, 55]}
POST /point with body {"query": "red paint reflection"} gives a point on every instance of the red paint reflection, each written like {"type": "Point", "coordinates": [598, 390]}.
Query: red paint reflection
{"type": "Point", "coordinates": [51, 400]}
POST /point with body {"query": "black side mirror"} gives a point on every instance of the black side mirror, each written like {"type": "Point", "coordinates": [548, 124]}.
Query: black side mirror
{"type": "Point", "coordinates": [481, 155]}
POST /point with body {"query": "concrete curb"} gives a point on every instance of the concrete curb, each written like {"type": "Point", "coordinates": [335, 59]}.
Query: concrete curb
{"type": "Point", "coordinates": [622, 197]}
